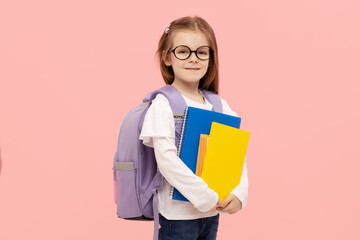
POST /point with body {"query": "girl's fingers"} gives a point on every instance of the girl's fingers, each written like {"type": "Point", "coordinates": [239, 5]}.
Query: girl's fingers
{"type": "Point", "coordinates": [227, 208]}
{"type": "Point", "coordinates": [228, 200]}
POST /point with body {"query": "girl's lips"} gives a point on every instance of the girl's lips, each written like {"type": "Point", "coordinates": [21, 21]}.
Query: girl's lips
{"type": "Point", "coordinates": [192, 68]}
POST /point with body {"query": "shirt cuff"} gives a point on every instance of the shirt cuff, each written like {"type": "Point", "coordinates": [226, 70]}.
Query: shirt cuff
{"type": "Point", "coordinates": [241, 196]}
{"type": "Point", "coordinates": [209, 204]}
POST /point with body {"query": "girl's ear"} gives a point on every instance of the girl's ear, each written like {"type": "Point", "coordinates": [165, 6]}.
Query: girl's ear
{"type": "Point", "coordinates": [166, 58]}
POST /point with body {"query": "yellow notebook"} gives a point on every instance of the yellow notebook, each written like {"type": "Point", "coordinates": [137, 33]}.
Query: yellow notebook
{"type": "Point", "coordinates": [224, 158]}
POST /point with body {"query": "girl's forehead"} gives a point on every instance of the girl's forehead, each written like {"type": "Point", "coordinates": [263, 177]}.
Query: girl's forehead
{"type": "Point", "coordinates": [192, 39]}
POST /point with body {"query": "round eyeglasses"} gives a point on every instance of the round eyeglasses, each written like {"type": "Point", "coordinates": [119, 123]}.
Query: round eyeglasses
{"type": "Point", "coordinates": [183, 52]}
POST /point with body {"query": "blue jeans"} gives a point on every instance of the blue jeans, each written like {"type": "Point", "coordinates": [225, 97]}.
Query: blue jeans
{"type": "Point", "coordinates": [196, 229]}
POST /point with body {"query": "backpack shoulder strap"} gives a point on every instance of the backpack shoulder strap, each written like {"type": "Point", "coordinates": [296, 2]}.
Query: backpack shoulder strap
{"type": "Point", "coordinates": [176, 100]}
{"type": "Point", "coordinates": [214, 99]}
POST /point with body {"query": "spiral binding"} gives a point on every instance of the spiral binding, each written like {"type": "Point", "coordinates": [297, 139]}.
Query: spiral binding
{"type": "Point", "coordinates": [171, 193]}
{"type": "Point", "coordinates": [183, 130]}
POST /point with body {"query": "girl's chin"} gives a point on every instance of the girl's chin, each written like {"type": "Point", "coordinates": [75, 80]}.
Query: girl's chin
{"type": "Point", "coordinates": [192, 79]}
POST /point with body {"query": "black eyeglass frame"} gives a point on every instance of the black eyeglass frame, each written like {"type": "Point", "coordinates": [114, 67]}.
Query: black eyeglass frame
{"type": "Point", "coordinates": [191, 51]}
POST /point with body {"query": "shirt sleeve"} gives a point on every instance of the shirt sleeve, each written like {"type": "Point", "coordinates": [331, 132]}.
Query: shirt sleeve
{"type": "Point", "coordinates": [158, 131]}
{"type": "Point", "coordinates": [158, 121]}
{"type": "Point", "coordinates": [241, 190]}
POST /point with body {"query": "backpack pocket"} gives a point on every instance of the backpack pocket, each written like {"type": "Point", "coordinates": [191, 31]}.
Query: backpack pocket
{"type": "Point", "coordinates": [125, 190]}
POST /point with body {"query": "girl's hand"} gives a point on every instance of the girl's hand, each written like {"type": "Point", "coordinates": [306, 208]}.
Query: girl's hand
{"type": "Point", "coordinates": [231, 204]}
{"type": "Point", "coordinates": [218, 204]}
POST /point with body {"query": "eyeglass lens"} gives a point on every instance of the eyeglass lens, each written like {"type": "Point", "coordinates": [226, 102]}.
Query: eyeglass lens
{"type": "Point", "coordinates": [183, 52]}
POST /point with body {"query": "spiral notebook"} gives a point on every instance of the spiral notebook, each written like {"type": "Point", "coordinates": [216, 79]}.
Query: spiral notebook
{"type": "Point", "coordinates": [197, 121]}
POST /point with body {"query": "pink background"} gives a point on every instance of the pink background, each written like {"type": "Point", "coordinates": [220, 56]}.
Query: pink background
{"type": "Point", "coordinates": [71, 70]}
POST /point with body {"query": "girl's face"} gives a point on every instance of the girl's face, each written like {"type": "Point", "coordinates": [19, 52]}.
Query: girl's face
{"type": "Point", "coordinates": [181, 67]}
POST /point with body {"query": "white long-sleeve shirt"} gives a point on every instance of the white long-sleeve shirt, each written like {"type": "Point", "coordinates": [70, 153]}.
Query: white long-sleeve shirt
{"type": "Point", "coordinates": [158, 131]}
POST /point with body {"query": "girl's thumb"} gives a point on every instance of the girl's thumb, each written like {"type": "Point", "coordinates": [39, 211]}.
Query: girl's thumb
{"type": "Point", "coordinates": [226, 202]}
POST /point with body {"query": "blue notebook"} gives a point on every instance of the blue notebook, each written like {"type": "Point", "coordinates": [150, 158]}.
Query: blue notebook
{"type": "Point", "coordinates": [197, 121]}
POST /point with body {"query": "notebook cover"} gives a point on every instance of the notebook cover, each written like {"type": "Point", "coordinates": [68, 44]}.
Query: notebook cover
{"type": "Point", "coordinates": [197, 121]}
{"type": "Point", "coordinates": [224, 158]}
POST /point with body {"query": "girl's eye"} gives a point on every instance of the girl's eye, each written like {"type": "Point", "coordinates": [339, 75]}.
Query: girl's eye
{"type": "Point", "coordinates": [204, 53]}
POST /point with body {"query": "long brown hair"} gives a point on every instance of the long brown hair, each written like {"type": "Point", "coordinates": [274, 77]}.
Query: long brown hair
{"type": "Point", "coordinates": [210, 81]}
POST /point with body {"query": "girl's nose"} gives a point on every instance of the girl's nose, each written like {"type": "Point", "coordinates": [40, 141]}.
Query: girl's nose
{"type": "Point", "coordinates": [193, 56]}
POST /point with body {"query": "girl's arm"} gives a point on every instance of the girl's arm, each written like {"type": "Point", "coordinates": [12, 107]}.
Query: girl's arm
{"type": "Point", "coordinates": [181, 177]}
{"type": "Point", "coordinates": [241, 190]}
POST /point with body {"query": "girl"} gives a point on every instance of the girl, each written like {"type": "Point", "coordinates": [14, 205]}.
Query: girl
{"type": "Point", "coordinates": [189, 60]}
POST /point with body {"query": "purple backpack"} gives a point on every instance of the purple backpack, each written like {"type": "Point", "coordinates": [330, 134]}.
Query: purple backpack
{"type": "Point", "coordinates": [136, 175]}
